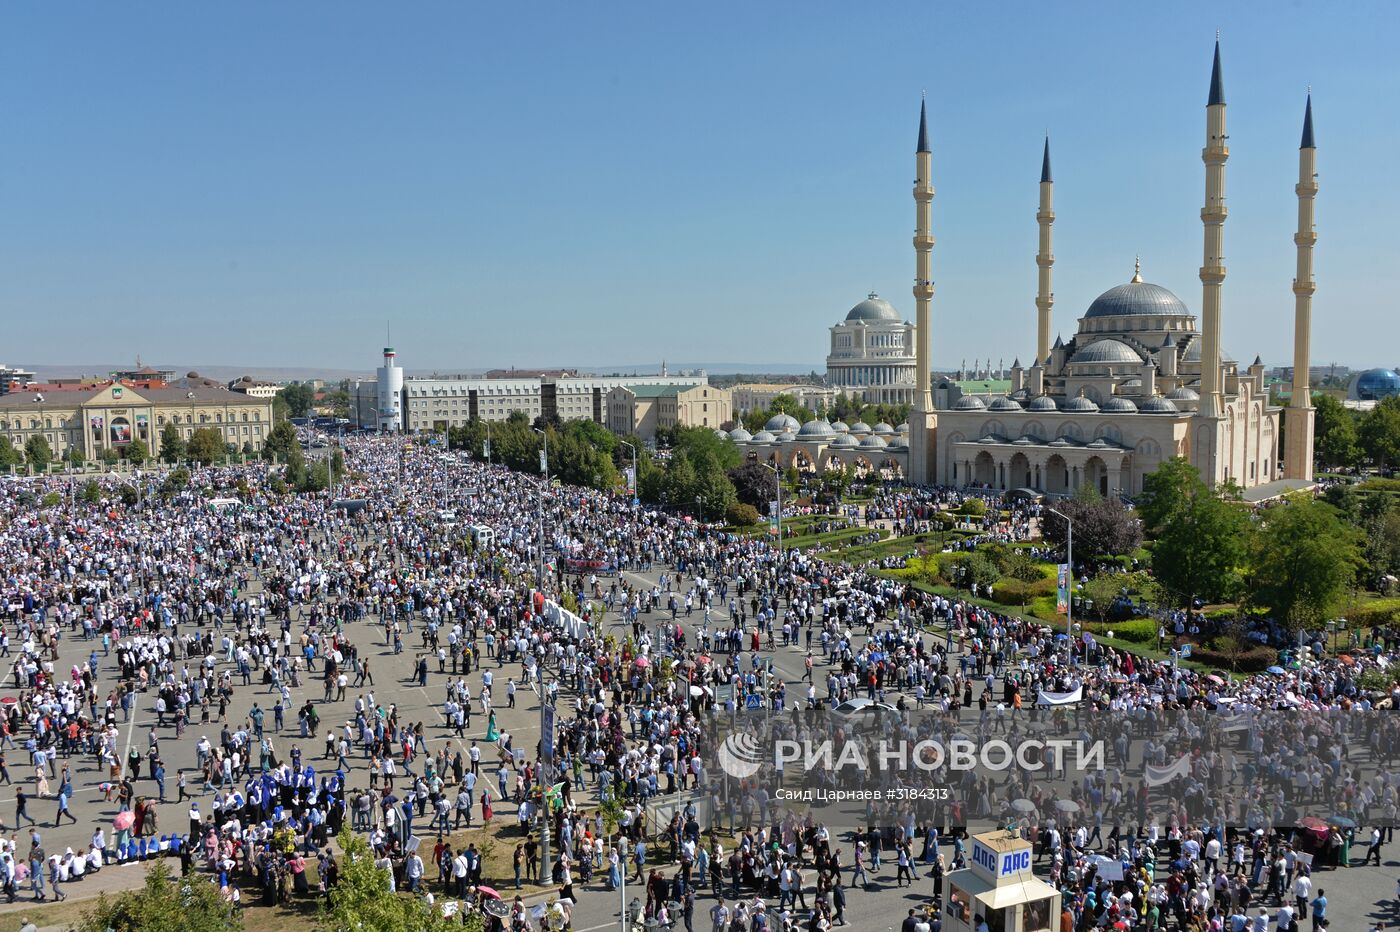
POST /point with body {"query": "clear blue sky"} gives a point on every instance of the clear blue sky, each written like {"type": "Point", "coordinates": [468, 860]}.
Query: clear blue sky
{"type": "Point", "coordinates": [597, 183]}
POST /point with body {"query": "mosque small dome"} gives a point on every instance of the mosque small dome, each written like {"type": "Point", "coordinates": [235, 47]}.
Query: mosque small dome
{"type": "Point", "coordinates": [739, 435]}
{"type": "Point", "coordinates": [860, 427]}
{"type": "Point", "coordinates": [873, 307]}
{"type": "Point", "coordinates": [815, 429]}
{"type": "Point", "coordinates": [902, 428]}
{"type": "Point", "coordinates": [882, 428]}
{"type": "Point", "coordinates": [969, 403]}
{"type": "Point", "coordinates": [764, 436]}
{"type": "Point", "coordinates": [845, 440]}
{"type": "Point", "coordinates": [1080, 405]}
{"type": "Point", "coordinates": [840, 427]}
{"type": "Point", "coordinates": [787, 436]}
{"type": "Point", "coordinates": [1042, 403]}
{"type": "Point", "coordinates": [1118, 405]}
{"type": "Point", "coordinates": [1003, 404]}
{"type": "Point", "coordinates": [781, 422]}
{"type": "Point", "coordinates": [1183, 394]}
{"type": "Point", "coordinates": [873, 443]}
{"type": "Point", "coordinates": [1158, 405]}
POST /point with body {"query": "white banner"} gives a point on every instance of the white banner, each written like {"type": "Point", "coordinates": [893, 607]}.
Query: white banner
{"type": "Point", "coordinates": [1156, 776]}
{"type": "Point", "coordinates": [1068, 698]}
{"type": "Point", "coordinates": [1109, 868]}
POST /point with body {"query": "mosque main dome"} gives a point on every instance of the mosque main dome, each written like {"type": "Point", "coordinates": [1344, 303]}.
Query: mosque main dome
{"type": "Point", "coordinates": [1137, 299]}
{"type": "Point", "coordinates": [873, 307]}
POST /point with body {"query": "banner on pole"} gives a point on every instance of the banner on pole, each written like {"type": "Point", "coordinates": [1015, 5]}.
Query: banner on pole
{"type": "Point", "coordinates": [1062, 590]}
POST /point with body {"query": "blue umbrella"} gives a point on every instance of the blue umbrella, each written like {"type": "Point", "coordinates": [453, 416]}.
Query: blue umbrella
{"type": "Point", "coordinates": [1276, 670]}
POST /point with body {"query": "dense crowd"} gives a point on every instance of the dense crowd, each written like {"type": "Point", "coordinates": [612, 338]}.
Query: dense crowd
{"type": "Point", "coordinates": [216, 610]}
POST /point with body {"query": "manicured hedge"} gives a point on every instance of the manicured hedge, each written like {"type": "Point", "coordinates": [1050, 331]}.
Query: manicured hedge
{"type": "Point", "coordinates": [1015, 592]}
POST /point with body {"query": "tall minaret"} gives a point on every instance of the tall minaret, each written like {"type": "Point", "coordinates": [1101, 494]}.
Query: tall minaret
{"type": "Point", "coordinates": [921, 452]}
{"type": "Point", "coordinates": [1045, 257]}
{"type": "Point", "coordinates": [1213, 267]}
{"type": "Point", "coordinates": [1298, 416]}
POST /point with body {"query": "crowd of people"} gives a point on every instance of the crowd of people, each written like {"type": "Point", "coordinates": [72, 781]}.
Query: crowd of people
{"type": "Point", "coordinates": [195, 616]}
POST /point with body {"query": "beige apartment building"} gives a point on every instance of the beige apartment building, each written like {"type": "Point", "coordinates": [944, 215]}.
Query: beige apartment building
{"type": "Point", "coordinates": [643, 409]}
{"type": "Point", "coordinates": [112, 415]}
{"type": "Point", "coordinates": [758, 396]}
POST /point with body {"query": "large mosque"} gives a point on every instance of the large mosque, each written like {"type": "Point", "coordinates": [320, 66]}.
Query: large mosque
{"type": "Point", "coordinates": [1141, 381]}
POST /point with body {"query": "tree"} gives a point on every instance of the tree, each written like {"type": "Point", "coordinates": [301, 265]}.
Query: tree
{"type": "Point", "coordinates": [1335, 437]}
{"type": "Point", "coordinates": [172, 445]}
{"type": "Point", "coordinates": [1380, 432]}
{"type": "Point", "coordinates": [1103, 527]}
{"type": "Point", "coordinates": [1379, 519]}
{"type": "Point", "coordinates": [281, 441]}
{"type": "Point", "coordinates": [110, 456]}
{"type": "Point", "coordinates": [754, 484]}
{"type": "Point", "coordinates": [1303, 560]}
{"type": "Point", "coordinates": [299, 398]}
{"type": "Point", "coordinates": [206, 445]}
{"type": "Point", "coordinates": [361, 899]}
{"type": "Point", "coordinates": [137, 452]}
{"type": "Point", "coordinates": [1103, 590]}
{"type": "Point", "coordinates": [694, 440]}
{"type": "Point", "coordinates": [974, 568]}
{"type": "Point", "coordinates": [37, 452]}
{"type": "Point", "coordinates": [176, 481]}
{"type": "Point", "coordinates": [9, 456]}
{"type": "Point", "coordinates": [165, 904]}
{"type": "Point", "coordinates": [75, 455]}
{"type": "Point", "coordinates": [1201, 539]}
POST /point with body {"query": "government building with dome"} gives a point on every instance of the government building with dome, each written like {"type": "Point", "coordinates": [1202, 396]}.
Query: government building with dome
{"type": "Point", "coordinates": [872, 354]}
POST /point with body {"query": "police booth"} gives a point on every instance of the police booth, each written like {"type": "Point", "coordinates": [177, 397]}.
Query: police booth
{"type": "Point", "coordinates": [999, 889]}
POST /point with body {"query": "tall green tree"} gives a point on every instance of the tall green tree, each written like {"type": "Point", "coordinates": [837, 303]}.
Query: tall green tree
{"type": "Point", "coordinates": [280, 443]}
{"type": "Point", "coordinates": [172, 445]}
{"type": "Point", "coordinates": [1379, 519]}
{"type": "Point", "coordinates": [1201, 538]}
{"type": "Point", "coordinates": [206, 445]}
{"type": "Point", "coordinates": [9, 456]}
{"type": "Point", "coordinates": [137, 452]}
{"type": "Point", "coordinates": [1380, 433]}
{"type": "Point", "coordinates": [1336, 441]}
{"type": "Point", "coordinates": [299, 397]}
{"type": "Point", "coordinates": [1303, 559]}
{"type": "Point", "coordinates": [37, 452]}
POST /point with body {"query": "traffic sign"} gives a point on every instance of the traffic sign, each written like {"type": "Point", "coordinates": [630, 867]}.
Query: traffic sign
{"type": "Point", "coordinates": [754, 701]}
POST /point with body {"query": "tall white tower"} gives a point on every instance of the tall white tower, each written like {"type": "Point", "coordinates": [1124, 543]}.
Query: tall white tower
{"type": "Point", "coordinates": [1213, 214]}
{"type": "Point", "coordinates": [389, 402]}
{"type": "Point", "coordinates": [1044, 259]}
{"type": "Point", "coordinates": [923, 421]}
{"type": "Point", "coordinates": [1298, 416]}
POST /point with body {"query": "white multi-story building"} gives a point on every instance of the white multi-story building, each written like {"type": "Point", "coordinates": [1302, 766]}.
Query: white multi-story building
{"type": "Point", "coordinates": [393, 402]}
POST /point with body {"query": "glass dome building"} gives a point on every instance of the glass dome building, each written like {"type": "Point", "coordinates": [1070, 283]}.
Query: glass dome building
{"type": "Point", "coordinates": [1374, 385]}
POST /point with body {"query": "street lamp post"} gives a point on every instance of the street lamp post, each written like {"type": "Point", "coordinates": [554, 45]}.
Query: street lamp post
{"type": "Point", "coordinates": [778, 487]}
{"type": "Point", "coordinates": [1069, 595]}
{"type": "Point", "coordinates": [544, 470]}
{"type": "Point", "coordinates": [634, 490]}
